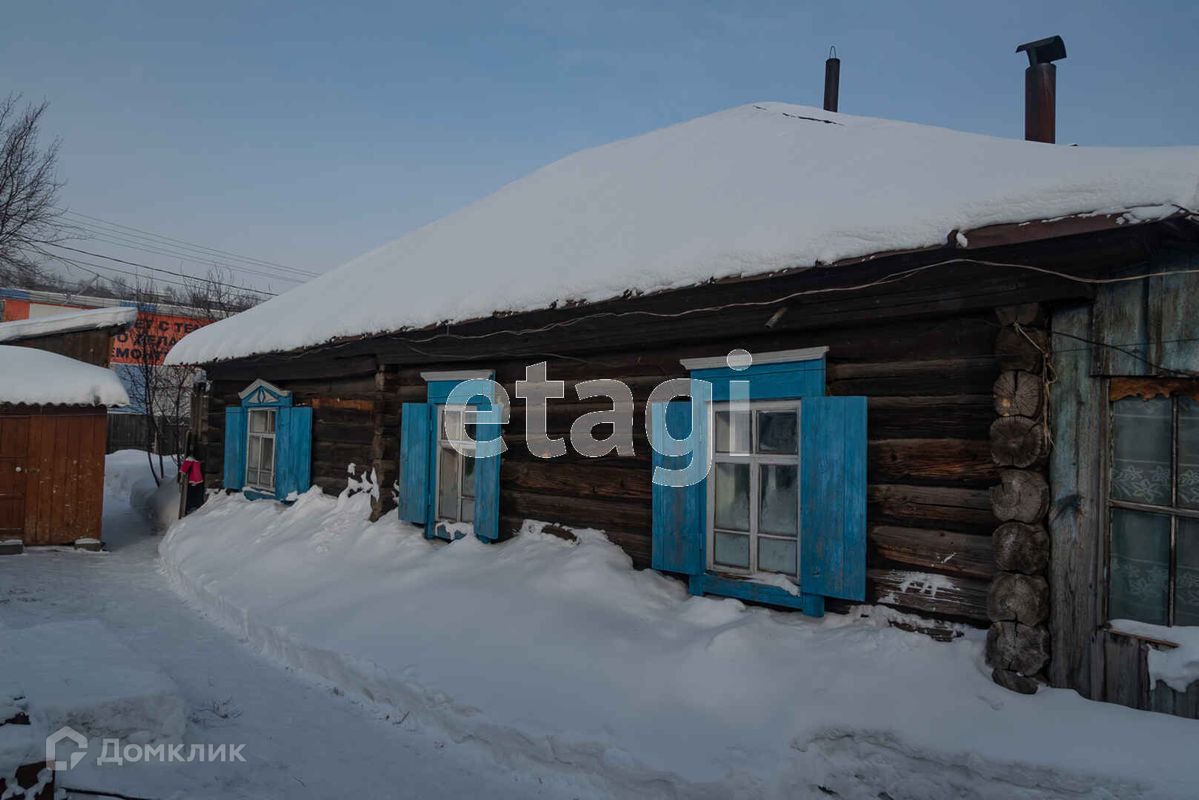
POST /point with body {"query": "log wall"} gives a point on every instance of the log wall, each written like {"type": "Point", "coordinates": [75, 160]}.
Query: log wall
{"type": "Point", "coordinates": [929, 460]}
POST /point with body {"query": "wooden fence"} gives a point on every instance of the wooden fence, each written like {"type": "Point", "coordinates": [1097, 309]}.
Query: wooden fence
{"type": "Point", "coordinates": [129, 431]}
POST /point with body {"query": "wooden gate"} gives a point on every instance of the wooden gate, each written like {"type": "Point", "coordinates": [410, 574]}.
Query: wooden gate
{"type": "Point", "coordinates": [51, 474]}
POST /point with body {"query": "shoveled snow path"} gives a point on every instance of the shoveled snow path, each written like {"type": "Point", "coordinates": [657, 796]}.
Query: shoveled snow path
{"type": "Point", "coordinates": [303, 740]}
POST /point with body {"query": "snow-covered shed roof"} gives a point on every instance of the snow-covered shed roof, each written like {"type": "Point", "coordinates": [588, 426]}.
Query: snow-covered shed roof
{"type": "Point", "coordinates": [70, 322]}
{"type": "Point", "coordinates": [37, 377]}
{"type": "Point", "coordinates": [745, 191]}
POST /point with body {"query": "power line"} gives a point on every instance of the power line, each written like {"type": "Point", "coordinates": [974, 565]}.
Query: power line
{"type": "Point", "coordinates": [80, 264]}
{"type": "Point", "coordinates": [191, 245]}
{"type": "Point", "coordinates": [134, 245]}
{"type": "Point", "coordinates": [148, 267]}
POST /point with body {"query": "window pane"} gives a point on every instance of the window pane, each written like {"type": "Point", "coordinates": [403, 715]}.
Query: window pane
{"type": "Point", "coordinates": [268, 454]}
{"type": "Point", "coordinates": [447, 484]}
{"type": "Point", "coordinates": [252, 448]}
{"type": "Point", "coordinates": [468, 476]}
{"type": "Point", "coordinates": [451, 424]}
{"type": "Point", "coordinates": [257, 421]}
{"type": "Point", "coordinates": [1140, 567]}
{"type": "Point", "coordinates": [779, 489]}
{"type": "Point", "coordinates": [778, 432]}
{"type": "Point", "coordinates": [1188, 452]}
{"type": "Point", "coordinates": [468, 508]}
{"type": "Point", "coordinates": [777, 555]}
{"type": "Point", "coordinates": [732, 496]}
{"type": "Point", "coordinates": [1186, 589]}
{"type": "Point", "coordinates": [269, 420]}
{"type": "Point", "coordinates": [732, 432]}
{"type": "Point", "coordinates": [731, 550]}
{"type": "Point", "coordinates": [1141, 468]}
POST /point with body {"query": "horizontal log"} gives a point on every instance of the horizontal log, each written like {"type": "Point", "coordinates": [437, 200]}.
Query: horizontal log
{"type": "Point", "coordinates": [362, 404]}
{"type": "Point", "coordinates": [325, 431]}
{"type": "Point", "coordinates": [930, 593]}
{"type": "Point", "coordinates": [950, 376]}
{"type": "Point", "coordinates": [579, 512]}
{"type": "Point", "coordinates": [946, 551]}
{"type": "Point", "coordinates": [936, 461]}
{"type": "Point", "coordinates": [944, 417]}
{"type": "Point", "coordinates": [568, 481]}
{"type": "Point", "coordinates": [313, 366]}
{"type": "Point", "coordinates": [958, 509]}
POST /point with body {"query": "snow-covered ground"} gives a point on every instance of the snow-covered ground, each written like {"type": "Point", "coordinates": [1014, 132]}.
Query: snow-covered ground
{"type": "Point", "coordinates": [559, 655]}
{"type": "Point", "coordinates": [358, 659]}
{"type": "Point", "coordinates": [304, 738]}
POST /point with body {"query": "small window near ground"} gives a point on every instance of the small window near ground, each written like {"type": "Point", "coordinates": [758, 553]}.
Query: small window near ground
{"type": "Point", "coordinates": [260, 449]}
{"type": "Point", "coordinates": [1153, 494]}
{"type": "Point", "coordinates": [753, 525]}
{"type": "Point", "coordinates": [455, 497]}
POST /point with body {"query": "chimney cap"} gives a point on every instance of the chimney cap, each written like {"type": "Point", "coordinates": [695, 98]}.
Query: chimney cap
{"type": "Point", "coordinates": [1044, 51]}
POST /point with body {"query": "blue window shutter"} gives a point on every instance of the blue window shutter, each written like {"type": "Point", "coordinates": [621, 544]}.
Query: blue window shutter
{"type": "Point", "coordinates": [235, 447]}
{"type": "Point", "coordinates": [487, 488]}
{"type": "Point", "coordinates": [293, 451]}
{"type": "Point", "coordinates": [678, 512]}
{"type": "Point", "coordinates": [415, 434]}
{"type": "Point", "coordinates": [833, 497]}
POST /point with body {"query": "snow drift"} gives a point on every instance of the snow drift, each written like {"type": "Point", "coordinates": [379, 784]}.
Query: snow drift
{"type": "Point", "coordinates": [560, 652]}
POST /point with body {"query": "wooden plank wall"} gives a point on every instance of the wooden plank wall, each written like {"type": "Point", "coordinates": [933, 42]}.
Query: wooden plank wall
{"type": "Point", "coordinates": [1075, 511]}
{"type": "Point", "coordinates": [64, 484]}
{"type": "Point", "coordinates": [1139, 328]}
{"type": "Point", "coordinates": [1149, 327]}
{"type": "Point", "coordinates": [91, 347]}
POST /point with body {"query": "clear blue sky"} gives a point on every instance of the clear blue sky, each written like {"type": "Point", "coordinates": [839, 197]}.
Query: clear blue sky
{"type": "Point", "coordinates": [307, 133]}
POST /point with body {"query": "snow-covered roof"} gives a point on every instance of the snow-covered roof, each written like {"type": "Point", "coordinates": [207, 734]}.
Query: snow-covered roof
{"type": "Point", "coordinates": [745, 191]}
{"type": "Point", "coordinates": [36, 377]}
{"type": "Point", "coordinates": [83, 320]}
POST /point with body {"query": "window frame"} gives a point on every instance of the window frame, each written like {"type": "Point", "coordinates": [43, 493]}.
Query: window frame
{"type": "Point", "coordinates": [1168, 389]}
{"type": "Point", "coordinates": [754, 460]}
{"type": "Point", "coordinates": [443, 441]}
{"type": "Point", "coordinates": [440, 385]}
{"type": "Point", "coordinates": [251, 436]}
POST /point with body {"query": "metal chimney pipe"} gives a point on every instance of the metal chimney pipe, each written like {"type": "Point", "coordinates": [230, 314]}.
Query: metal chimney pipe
{"type": "Point", "coordinates": [832, 80]}
{"type": "Point", "coordinates": [1040, 88]}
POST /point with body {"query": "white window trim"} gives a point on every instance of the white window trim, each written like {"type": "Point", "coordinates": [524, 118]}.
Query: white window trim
{"type": "Point", "coordinates": [456, 524]}
{"type": "Point", "coordinates": [261, 384]}
{"type": "Point", "coordinates": [250, 437]}
{"type": "Point", "coordinates": [774, 357]}
{"type": "Point", "coordinates": [754, 492]}
{"type": "Point", "coordinates": [457, 375]}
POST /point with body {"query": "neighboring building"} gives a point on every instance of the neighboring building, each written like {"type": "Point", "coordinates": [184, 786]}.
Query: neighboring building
{"type": "Point", "coordinates": [53, 411]}
{"type": "Point", "coordinates": [973, 376]}
{"type": "Point", "coordinates": [144, 344]}
{"type": "Point", "coordinates": [86, 335]}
